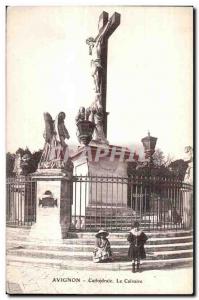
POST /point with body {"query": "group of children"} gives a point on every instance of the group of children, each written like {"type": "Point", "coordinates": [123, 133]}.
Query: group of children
{"type": "Point", "coordinates": [137, 239]}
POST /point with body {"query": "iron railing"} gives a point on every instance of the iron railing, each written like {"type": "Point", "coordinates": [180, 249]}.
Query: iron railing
{"type": "Point", "coordinates": [21, 201]}
{"type": "Point", "coordinates": [114, 203]}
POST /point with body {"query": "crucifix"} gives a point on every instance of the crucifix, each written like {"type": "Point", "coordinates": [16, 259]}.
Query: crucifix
{"type": "Point", "coordinates": [98, 49]}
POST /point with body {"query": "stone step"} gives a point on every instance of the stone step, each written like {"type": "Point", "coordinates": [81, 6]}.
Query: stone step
{"type": "Point", "coordinates": [113, 218]}
{"type": "Point", "coordinates": [117, 211]}
{"type": "Point", "coordinates": [91, 235]}
{"type": "Point", "coordinates": [11, 245]}
{"type": "Point", "coordinates": [170, 254]}
{"type": "Point", "coordinates": [85, 254]}
{"type": "Point", "coordinates": [118, 250]}
{"type": "Point", "coordinates": [127, 227]}
{"type": "Point", "coordinates": [23, 231]}
{"type": "Point", "coordinates": [158, 234]}
{"type": "Point", "coordinates": [17, 236]}
{"type": "Point", "coordinates": [125, 220]}
{"type": "Point", "coordinates": [71, 264]}
{"type": "Point", "coordinates": [170, 240]}
{"type": "Point", "coordinates": [108, 210]}
{"type": "Point", "coordinates": [150, 241]}
{"type": "Point", "coordinates": [116, 226]}
{"type": "Point", "coordinates": [163, 248]}
{"type": "Point", "coordinates": [114, 241]}
{"type": "Point", "coordinates": [152, 244]}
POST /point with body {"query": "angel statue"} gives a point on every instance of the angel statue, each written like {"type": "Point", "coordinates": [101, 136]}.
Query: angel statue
{"type": "Point", "coordinates": [17, 165]}
{"type": "Point", "coordinates": [49, 127]}
{"type": "Point", "coordinates": [48, 136]}
{"type": "Point", "coordinates": [189, 160]}
{"type": "Point", "coordinates": [55, 147]}
{"type": "Point", "coordinates": [61, 131]}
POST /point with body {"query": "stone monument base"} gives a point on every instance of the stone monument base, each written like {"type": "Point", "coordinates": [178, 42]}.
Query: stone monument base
{"type": "Point", "coordinates": [53, 204]}
{"type": "Point", "coordinates": [107, 166]}
{"type": "Point", "coordinates": [47, 228]}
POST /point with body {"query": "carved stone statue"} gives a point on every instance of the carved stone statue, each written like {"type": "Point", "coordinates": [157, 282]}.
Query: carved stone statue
{"type": "Point", "coordinates": [95, 49]}
{"type": "Point", "coordinates": [61, 131]}
{"type": "Point", "coordinates": [17, 165]}
{"type": "Point", "coordinates": [49, 127]}
{"type": "Point", "coordinates": [94, 107]}
{"type": "Point", "coordinates": [48, 136]}
{"type": "Point", "coordinates": [189, 159]}
{"type": "Point", "coordinates": [22, 163]}
{"type": "Point", "coordinates": [96, 115]}
{"type": "Point", "coordinates": [99, 135]}
{"type": "Point", "coordinates": [84, 126]}
{"type": "Point", "coordinates": [81, 115]}
{"type": "Point", "coordinates": [55, 148]}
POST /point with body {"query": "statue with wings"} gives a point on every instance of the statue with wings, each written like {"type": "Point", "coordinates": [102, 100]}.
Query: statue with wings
{"type": "Point", "coordinates": [55, 147]}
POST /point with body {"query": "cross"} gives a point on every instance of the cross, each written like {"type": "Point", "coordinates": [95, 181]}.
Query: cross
{"type": "Point", "coordinates": [106, 27]}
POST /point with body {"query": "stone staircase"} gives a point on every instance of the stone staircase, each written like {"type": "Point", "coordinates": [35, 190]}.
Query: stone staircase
{"type": "Point", "coordinates": [115, 218]}
{"type": "Point", "coordinates": [164, 250]}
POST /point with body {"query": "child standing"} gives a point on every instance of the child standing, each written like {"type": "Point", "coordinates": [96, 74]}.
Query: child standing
{"type": "Point", "coordinates": [137, 238]}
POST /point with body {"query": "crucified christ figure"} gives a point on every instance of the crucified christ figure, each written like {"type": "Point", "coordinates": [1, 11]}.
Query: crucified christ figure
{"type": "Point", "coordinates": [95, 49]}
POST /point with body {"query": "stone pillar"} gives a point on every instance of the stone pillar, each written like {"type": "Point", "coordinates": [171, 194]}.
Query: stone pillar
{"type": "Point", "coordinates": [188, 208]}
{"type": "Point", "coordinates": [53, 204]}
{"type": "Point", "coordinates": [66, 199]}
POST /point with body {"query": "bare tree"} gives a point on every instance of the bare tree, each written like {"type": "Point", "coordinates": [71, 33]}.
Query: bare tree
{"type": "Point", "coordinates": [158, 158]}
{"type": "Point", "coordinates": [168, 160]}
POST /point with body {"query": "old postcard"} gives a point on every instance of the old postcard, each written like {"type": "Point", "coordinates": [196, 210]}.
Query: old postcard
{"type": "Point", "coordinates": [99, 179]}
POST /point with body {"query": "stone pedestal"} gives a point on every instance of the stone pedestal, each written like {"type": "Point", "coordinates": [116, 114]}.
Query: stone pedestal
{"type": "Point", "coordinates": [100, 194]}
{"type": "Point", "coordinates": [105, 161]}
{"type": "Point", "coordinates": [53, 204]}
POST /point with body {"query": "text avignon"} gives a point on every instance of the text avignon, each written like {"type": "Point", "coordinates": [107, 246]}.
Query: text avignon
{"type": "Point", "coordinates": [66, 279]}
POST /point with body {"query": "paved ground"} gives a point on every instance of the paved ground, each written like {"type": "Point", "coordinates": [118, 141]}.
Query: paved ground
{"type": "Point", "coordinates": [45, 280]}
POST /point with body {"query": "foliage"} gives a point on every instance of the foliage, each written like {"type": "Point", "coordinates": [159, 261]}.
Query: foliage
{"type": "Point", "coordinates": [10, 158]}
{"type": "Point", "coordinates": [159, 159]}
{"type": "Point", "coordinates": [33, 161]}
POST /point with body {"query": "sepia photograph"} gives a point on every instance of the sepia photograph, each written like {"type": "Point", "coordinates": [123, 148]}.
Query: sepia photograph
{"type": "Point", "coordinates": [99, 150]}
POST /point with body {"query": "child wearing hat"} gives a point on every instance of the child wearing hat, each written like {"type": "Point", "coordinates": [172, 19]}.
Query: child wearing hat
{"type": "Point", "coordinates": [102, 252]}
{"type": "Point", "coordinates": [137, 238]}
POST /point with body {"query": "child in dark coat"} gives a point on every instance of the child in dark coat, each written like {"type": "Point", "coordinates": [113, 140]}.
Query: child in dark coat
{"type": "Point", "coordinates": [137, 238]}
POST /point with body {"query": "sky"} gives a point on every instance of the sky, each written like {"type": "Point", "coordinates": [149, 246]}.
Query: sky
{"type": "Point", "coordinates": [149, 81]}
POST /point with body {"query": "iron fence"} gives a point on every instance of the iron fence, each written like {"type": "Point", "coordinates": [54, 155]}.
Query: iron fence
{"type": "Point", "coordinates": [114, 203]}
{"type": "Point", "coordinates": [21, 201]}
